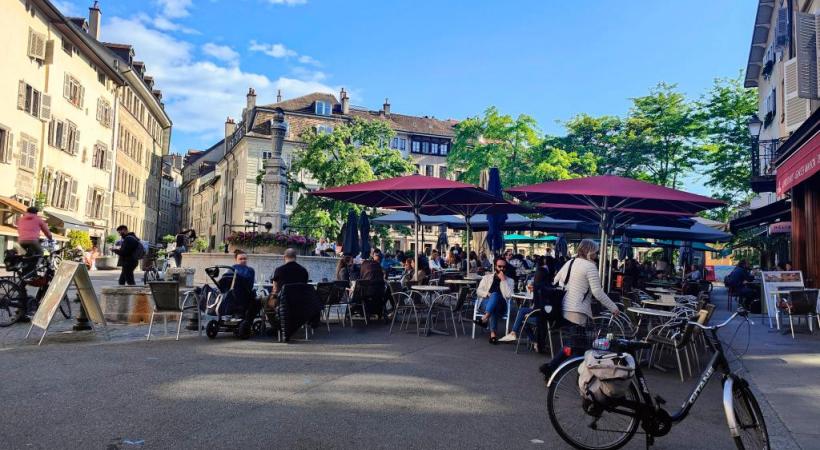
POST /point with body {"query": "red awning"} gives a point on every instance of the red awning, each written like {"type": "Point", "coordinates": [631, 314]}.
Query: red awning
{"type": "Point", "coordinates": [615, 192]}
{"type": "Point", "coordinates": [800, 166]}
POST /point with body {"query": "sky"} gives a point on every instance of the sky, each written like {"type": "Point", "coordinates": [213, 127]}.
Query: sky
{"type": "Point", "coordinates": [448, 59]}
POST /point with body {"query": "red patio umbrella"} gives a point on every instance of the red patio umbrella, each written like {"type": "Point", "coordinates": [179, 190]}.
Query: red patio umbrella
{"type": "Point", "coordinates": [418, 194]}
{"type": "Point", "coordinates": [620, 216]}
{"type": "Point", "coordinates": [609, 198]}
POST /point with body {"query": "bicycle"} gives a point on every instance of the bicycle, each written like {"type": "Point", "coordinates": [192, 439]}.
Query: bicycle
{"type": "Point", "coordinates": [586, 424]}
{"type": "Point", "coordinates": [150, 262]}
{"type": "Point", "coordinates": [14, 299]}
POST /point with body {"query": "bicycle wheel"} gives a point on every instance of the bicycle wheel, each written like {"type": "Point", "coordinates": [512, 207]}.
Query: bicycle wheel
{"type": "Point", "coordinates": [750, 422]}
{"type": "Point", "coordinates": [65, 307]}
{"type": "Point", "coordinates": [577, 427]}
{"type": "Point", "coordinates": [150, 275]}
{"type": "Point", "coordinates": [12, 302]}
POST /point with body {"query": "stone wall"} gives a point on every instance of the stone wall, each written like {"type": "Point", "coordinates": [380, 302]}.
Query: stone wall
{"type": "Point", "coordinates": [319, 267]}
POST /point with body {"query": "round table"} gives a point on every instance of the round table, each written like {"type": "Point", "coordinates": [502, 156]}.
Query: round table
{"type": "Point", "coordinates": [427, 291]}
{"type": "Point", "coordinates": [660, 303]}
{"type": "Point", "coordinates": [651, 312]}
{"type": "Point", "coordinates": [461, 282]}
{"type": "Point", "coordinates": [522, 296]}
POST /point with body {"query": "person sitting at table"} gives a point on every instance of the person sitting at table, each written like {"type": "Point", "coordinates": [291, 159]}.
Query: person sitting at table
{"type": "Point", "coordinates": [387, 262]}
{"type": "Point", "coordinates": [473, 261]}
{"type": "Point", "coordinates": [343, 268]}
{"type": "Point", "coordinates": [408, 274]}
{"type": "Point", "coordinates": [581, 283]}
{"type": "Point", "coordinates": [693, 275]}
{"type": "Point", "coordinates": [632, 273]}
{"type": "Point", "coordinates": [539, 281]}
{"type": "Point", "coordinates": [736, 281]}
{"type": "Point", "coordinates": [423, 271]}
{"type": "Point", "coordinates": [452, 261]}
{"type": "Point", "coordinates": [290, 272]}
{"type": "Point", "coordinates": [484, 262]}
{"type": "Point", "coordinates": [494, 290]}
{"type": "Point", "coordinates": [243, 288]}
{"type": "Point", "coordinates": [372, 269]}
{"type": "Point", "coordinates": [436, 261]}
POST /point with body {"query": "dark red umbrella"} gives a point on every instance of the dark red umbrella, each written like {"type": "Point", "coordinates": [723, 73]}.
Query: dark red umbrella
{"type": "Point", "coordinates": [621, 216]}
{"type": "Point", "coordinates": [418, 194]}
{"type": "Point", "coordinates": [609, 191]}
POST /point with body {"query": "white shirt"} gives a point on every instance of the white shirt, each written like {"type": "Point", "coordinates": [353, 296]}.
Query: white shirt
{"type": "Point", "coordinates": [583, 280]}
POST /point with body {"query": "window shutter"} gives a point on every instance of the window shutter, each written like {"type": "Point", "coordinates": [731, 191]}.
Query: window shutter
{"type": "Point", "coordinates": [782, 28]}
{"type": "Point", "coordinates": [45, 182]}
{"type": "Point", "coordinates": [797, 109]}
{"type": "Point", "coordinates": [106, 209]}
{"type": "Point", "coordinates": [109, 159]}
{"type": "Point", "coordinates": [64, 136]}
{"type": "Point", "coordinates": [806, 55]}
{"type": "Point", "coordinates": [52, 125]}
{"type": "Point", "coordinates": [89, 202]}
{"type": "Point", "coordinates": [45, 107]}
{"type": "Point", "coordinates": [99, 110]}
{"type": "Point", "coordinates": [9, 147]}
{"type": "Point", "coordinates": [73, 198]}
{"type": "Point", "coordinates": [82, 96]}
{"type": "Point", "coordinates": [66, 86]}
{"type": "Point", "coordinates": [21, 95]}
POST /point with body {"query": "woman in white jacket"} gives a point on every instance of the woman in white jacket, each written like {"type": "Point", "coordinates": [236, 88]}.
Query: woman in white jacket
{"type": "Point", "coordinates": [581, 282]}
{"type": "Point", "coordinates": [495, 289]}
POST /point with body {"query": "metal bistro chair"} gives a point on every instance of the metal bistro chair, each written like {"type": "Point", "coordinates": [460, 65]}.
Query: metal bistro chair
{"type": "Point", "coordinates": [478, 313]}
{"type": "Point", "coordinates": [165, 300]}
{"type": "Point", "coordinates": [407, 303]}
{"type": "Point", "coordinates": [801, 303]}
{"type": "Point", "coordinates": [450, 304]}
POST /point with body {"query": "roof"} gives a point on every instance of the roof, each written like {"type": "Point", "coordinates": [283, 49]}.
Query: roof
{"type": "Point", "coordinates": [11, 231]}
{"type": "Point", "coordinates": [768, 214]}
{"type": "Point", "coordinates": [409, 124]}
{"type": "Point", "coordinates": [760, 36]}
{"type": "Point", "coordinates": [12, 205]}
{"type": "Point", "coordinates": [305, 103]}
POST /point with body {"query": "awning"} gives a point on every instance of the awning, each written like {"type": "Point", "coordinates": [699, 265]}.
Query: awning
{"type": "Point", "coordinates": [774, 212]}
{"type": "Point", "coordinates": [6, 230]}
{"type": "Point", "coordinates": [67, 222]}
{"type": "Point", "coordinates": [12, 205]}
{"type": "Point", "coordinates": [799, 166]}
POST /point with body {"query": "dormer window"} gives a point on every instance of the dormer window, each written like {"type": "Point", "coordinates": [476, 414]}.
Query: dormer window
{"type": "Point", "coordinates": [323, 108]}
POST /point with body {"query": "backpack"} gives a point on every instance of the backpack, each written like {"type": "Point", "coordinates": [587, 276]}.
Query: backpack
{"type": "Point", "coordinates": [603, 376]}
{"type": "Point", "coordinates": [139, 251]}
{"type": "Point", "coordinates": [554, 297]}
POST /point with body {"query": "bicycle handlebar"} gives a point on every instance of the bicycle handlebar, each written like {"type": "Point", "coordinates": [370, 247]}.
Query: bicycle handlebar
{"type": "Point", "coordinates": [742, 312]}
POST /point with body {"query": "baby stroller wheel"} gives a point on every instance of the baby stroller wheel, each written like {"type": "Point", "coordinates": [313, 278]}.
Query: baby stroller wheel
{"type": "Point", "coordinates": [243, 330]}
{"type": "Point", "coordinates": [212, 329]}
{"type": "Point", "coordinates": [258, 327]}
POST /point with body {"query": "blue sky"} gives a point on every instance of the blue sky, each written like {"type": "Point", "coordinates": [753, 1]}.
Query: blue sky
{"type": "Point", "coordinates": [449, 59]}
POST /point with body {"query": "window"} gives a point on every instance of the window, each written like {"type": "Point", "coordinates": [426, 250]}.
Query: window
{"type": "Point", "coordinates": [68, 47]}
{"type": "Point", "coordinates": [57, 134]}
{"type": "Point", "coordinates": [324, 129]}
{"type": "Point", "coordinates": [267, 155]}
{"type": "Point", "coordinates": [33, 101]}
{"type": "Point", "coordinates": [5, 145]}
{"type": "Point", "coordinates": [103, 158]}
{"type": "Point", "coordinates": [425, 148]}
{"type": "Point", "coordinates": [60, 189]}
{"type": "Point", "coordinates": [73, 91]}
{"type": "Point", "coordinates": [418, 168]}
{"type": "Point", "coordinates": [323, 108]}
{"type": "Point", "coordinates": [434, 148]}
{"type": "Point", "coordinates": [394, 143]}
{"type": "Point", "coordinates": [72, 134]}
{"type": "Point", "coordinates": [96, 203]}
{"type": "Point", "coordinates": [101, 77]}
{"type": "Point", "coordinates": [428, 170]}
{"type": "Point", "coordinates": [28, 152]}
{"type": "Point", "coordinates": [416, 147]}
{"type": "Point", "coordinates": [443, 149]}
{"type": "Point", "coordinates": [36, 45]}
{"type": "Point", "coordinates": [104, 112]}
{"type": "Point", "coordinates": [442, 172]}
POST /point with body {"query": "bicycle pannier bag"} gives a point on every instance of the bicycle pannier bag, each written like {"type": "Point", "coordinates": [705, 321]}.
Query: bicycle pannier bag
{"type": "Point", "coordinates": [605, 375]}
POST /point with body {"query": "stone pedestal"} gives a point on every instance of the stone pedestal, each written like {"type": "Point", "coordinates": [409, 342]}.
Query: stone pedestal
{"type": "Point", "coordinates": [127, 304]}
{"type": "Point", "coordinates": [184, 274]}
{"type": "Point", "coordinates": [275, 180]}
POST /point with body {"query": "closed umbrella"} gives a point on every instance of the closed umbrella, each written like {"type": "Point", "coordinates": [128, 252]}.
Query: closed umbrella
{"type": "Point", "coordinates": [442, 243]}
{"type": "Point", "coordinates": [561, 246]}
{"type": "Point", "coordinates": [495, 222]}
{"type": "Point", "coordinates": [625, 248]}
{"type": "Point", "coordinates": [350, 235]}
{"type": "Point", "coordinates": [364, 231]}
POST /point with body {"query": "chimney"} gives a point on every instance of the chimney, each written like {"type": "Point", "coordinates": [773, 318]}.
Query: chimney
{"type": "Point", "coordinates": [345, 101]}
{"type": "Point", "coordinates": [251, 99]}
{"type": "Point", "coordinates": [386, 107]}
{"type": "Point", "coordinates": [278, 95]}
{"type": "Point", "coordinates": [230, 127]}
{"type": "Point", "coordinates": [94, 16]}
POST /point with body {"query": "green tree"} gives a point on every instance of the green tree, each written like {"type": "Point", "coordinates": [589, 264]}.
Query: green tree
{"type": "Point", "coordinates": [352, 153]}
{"type": "Point", "coordinates": [496, 140]}
{"type": "Point", "coordinates": [665, 128]}
{"type": "Point", "coordinates": [77, 238]}
{"type": "Point", "coordinates": [724, 111]}
{"type": "Point", "coordinates": [606, 139]}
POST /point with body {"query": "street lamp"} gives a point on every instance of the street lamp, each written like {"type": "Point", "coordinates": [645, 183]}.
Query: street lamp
{"type": "Point", "coordinates": [755, 125]}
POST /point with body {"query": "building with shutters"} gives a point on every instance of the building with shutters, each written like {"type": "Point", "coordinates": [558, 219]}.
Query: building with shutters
{"type": "Point", "coordinates": [239, 158]}
{"type": "Point", "coordinates": [784, 65]}
{"type": "Point", "coordinates": [56, 116]}
{"type": "Point", "coordinates": [82, 127]}
{"type": "Point", "coordinates": [170, 198]}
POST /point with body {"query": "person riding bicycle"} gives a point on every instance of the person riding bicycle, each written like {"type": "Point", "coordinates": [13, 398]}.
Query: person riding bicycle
{"type": "Point", "coordinates": [29, 227]}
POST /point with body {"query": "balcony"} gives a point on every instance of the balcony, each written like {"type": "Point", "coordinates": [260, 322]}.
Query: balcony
{"type": "Point", "coordinates": [763, 157]}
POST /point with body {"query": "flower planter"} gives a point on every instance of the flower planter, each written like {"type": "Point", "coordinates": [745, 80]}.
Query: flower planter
{"type": "Point", "coordinates": [269, 242]}
{"type": "Point", "coordinates": [106, 262]}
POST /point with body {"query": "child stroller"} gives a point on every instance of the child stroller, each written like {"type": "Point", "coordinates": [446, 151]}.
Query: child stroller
{"type": "Point", "coordinates": [233, 305]}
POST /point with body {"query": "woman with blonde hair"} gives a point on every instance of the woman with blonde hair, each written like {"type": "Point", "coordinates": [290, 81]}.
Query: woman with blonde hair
{"type": "Point", "coordinates": [581, 282]}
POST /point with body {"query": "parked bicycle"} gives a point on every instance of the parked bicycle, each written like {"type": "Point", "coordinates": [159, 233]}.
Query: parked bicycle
{"type": "Point", "coordinates": [154, 266]}
{"type": "Point", "coordinates": [27, 271]}
{"type": "Point", "coordinates": [611, 424]}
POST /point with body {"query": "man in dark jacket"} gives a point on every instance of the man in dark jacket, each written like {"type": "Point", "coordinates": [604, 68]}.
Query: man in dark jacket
{"type": "Point", "coordinates": [128, 253]}
{"type": "Point", "coordinates": [737, 279]}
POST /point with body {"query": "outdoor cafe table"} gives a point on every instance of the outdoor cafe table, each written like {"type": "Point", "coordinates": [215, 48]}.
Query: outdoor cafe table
{"type": "Point", "coordinates": [660, 303]}
{"type": "Point", "coordinates": [472, 276]}
{"type": "Point", "coordinates": [652, 312]}
{"type": "Point", "coordinates": [461, 282]}
{"type": "Point", "coordinates": [427, 294]}
{"type": "Point", "coordinates": [658, 290]}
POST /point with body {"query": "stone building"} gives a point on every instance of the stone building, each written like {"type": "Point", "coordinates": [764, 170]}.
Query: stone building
{"type": "Point", "coordinates": [248, 145]}
{"type": "Point", "coordinates": [67, 100]}
{"type": "Point", "coordinates": [170, 198]}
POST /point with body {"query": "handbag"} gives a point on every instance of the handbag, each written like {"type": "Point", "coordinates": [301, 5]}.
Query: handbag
{"type": "Point", "coordinates": [553, 296]}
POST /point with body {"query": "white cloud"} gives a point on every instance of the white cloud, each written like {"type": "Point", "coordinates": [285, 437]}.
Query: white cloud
{"type": "Point", "coordinates": [287, 2]}
{"type": "Point", "coordinates": [221, 52]}
{"type": "Point", "coordinates": [199, 94]}
{"type": "Point", "coordinates": [66, 8]}
{"type": "Point", "coordinates": [273, 50]}
{"type": "Point", "coordinates": [174, 9]}
{"type": "Point", "coordinates": [305, 59]}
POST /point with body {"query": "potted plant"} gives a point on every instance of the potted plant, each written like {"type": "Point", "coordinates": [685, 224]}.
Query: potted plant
{"type": "Point", "coordinates": [275, 243]}
{"type": "Point", "coordinates": [108, 261]}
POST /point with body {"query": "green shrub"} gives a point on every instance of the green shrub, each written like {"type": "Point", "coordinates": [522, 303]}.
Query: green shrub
{"type": "Point", "coordinates": [111, 238]}
{"type": "Point", "coordinates": [200, 245]}
{"type": "Point", "coordinates": [80, 239]}
{"type": "Point", "coordinates": [168, 238]}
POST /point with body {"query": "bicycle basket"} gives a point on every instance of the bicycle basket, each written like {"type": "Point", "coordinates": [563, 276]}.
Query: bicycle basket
{"type": "Point", "coordinates": [38, 282]}
{"type": "Point", "coordinates": [604, 375]}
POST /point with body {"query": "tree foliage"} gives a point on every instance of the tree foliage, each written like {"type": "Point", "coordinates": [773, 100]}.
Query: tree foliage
{"type": "Point", "coordinates": [352, 153]}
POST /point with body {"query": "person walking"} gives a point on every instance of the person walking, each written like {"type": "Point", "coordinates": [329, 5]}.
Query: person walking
{"type": "Point", "coordinates": [181, 246]}
{"type": "Point", "coordinates": [130, 252]}
{"type": "Point", "coordinates": [580, 280]}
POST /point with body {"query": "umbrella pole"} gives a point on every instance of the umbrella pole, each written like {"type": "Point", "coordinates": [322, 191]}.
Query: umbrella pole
{"type": "Point", "coordinates": [467, 266]}
{"type": "Point", "coordinates": [416, 252]}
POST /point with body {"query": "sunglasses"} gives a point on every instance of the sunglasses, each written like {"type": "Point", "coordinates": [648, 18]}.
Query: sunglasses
{"type": "Point", "coordinates": [501, 267]}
